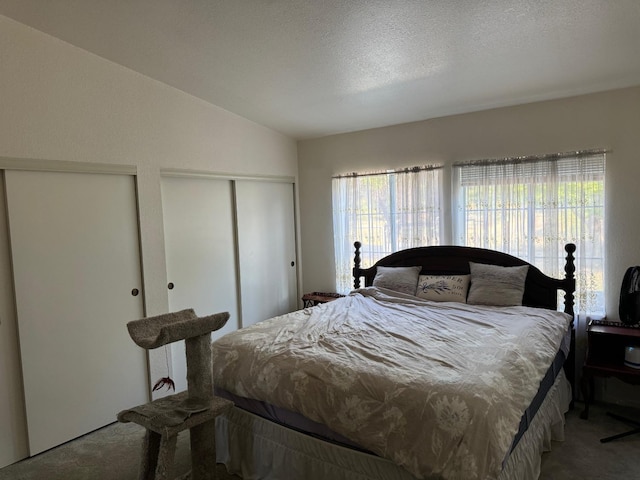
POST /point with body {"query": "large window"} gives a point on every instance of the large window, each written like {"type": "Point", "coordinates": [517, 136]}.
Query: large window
{"type": "Point", "coordinates": [387, 212]}
{"type": "Point", "coordinates": [531, 207]}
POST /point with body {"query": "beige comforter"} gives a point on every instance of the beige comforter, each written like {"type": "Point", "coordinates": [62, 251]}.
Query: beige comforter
{"type": "Point", "coordinates": [438, 388]}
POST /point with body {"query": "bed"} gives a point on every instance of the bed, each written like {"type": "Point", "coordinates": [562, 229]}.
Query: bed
{"type": "Point", "coordinates": [403, 380]}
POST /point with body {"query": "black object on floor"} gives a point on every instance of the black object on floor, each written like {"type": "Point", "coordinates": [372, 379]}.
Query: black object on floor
{"type": "Point", "coordinates": [625, 434]}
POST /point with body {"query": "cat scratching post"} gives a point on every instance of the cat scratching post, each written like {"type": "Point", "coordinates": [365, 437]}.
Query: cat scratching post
{"type": "Point", "coordinates": [195, 409]}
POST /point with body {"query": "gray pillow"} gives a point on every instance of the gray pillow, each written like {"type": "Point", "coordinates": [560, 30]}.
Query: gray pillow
{"type": "Point", "coordinates": [400, 279]}
{"type": "Point", "coordinates": [494, 285]}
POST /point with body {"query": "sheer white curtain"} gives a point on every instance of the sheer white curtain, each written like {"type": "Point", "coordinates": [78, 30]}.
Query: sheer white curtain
{"type": "Point", "coordinates": [532, 207]}
{"type": "Point", "coordinates": [387, 212]}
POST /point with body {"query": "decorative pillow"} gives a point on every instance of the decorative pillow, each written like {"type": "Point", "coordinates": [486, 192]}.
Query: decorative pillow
{"type": "Point", "coordinates": [400, 279]}
{"type": "Point", "coordinates": [494, 285]}
{"type": "Point", "coordinates": [443, 288]}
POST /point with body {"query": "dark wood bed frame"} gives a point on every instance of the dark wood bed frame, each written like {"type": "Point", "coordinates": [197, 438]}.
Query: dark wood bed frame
{"type": "Point", "coordinates": [540, 290]}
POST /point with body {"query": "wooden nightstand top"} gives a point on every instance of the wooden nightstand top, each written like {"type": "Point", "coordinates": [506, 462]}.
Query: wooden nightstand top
{"type": "Point", "coordinates": [613, 328]}
{"type": "Point", "coordinates": [314, 298]}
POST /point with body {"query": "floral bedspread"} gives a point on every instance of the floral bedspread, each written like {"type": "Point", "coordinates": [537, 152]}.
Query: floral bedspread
{"type": "Point", "coordinates": [438, 388]}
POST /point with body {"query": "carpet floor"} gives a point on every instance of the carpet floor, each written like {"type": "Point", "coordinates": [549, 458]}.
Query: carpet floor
{"type": "Point", "coordinates": [111, 453]}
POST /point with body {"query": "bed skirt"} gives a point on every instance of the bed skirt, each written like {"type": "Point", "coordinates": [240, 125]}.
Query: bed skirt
{"type": "Point", "coordinates": [258, 449]}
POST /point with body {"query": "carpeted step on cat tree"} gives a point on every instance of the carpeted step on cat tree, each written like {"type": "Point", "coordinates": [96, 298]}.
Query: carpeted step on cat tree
{"type": "Point", "coordinates": [195, 410]}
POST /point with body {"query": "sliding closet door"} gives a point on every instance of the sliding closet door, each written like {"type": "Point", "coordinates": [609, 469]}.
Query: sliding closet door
{"type": "Point", "coordinates": [13, 430]}
{"type": "Point", "coordinates": [75, 253]}
{"type": "Point", "coordinates": [200, 252]}
{"type": "Point", "coordinates": [267, 249]}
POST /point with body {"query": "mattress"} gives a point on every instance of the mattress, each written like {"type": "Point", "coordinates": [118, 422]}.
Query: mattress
{"type": "Point", "coordinates": [258, 449]}
{"type": "Point", "coordinates": [300, 423]}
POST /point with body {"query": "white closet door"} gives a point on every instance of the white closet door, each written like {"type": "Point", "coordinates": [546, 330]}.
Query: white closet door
{"type": "Point", "coordinates": [13, 431]}
{"type": "Point", "coordinates": [267, 249]}
{"type": "Point", "coordinates": [201, 254]}
{"type": "Point", "coordinates": [75, 253]}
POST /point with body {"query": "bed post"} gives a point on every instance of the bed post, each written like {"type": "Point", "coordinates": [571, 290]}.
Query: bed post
{"type": "Point", "coordinates": [570, 362]}
{"type": "Point", "coordinates": [569, 269]}
{"type": "Point", "coordinates": [356, 266]}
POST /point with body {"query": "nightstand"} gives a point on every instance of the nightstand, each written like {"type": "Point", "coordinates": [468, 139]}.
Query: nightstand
{"type": "Point", "coordinates": [606, 343]}
{"type": "Point", "coordinates": [315, 298]}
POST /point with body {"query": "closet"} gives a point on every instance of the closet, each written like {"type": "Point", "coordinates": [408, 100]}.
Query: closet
{"type": "Point", "coordinates": [71, 280]}
{"type": "Point", "coordinates": [76, 277]}
{"type": "Point", "coordinates": [200, 254]}
{"type": "Point", "coordinates": [13, 432]}
{"type": "Point", "coordinates": [229, 246]}
{"type": "Point", "coordinates": [267, 249]}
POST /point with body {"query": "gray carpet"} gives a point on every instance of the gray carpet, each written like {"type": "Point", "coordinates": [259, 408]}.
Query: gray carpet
{"type": "Point", "coordinates": [111, 453]}
{"type": "Point", "coordinates": [582, 456]}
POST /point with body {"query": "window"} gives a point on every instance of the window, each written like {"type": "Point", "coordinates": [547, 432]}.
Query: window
{"type": "Point", "coordinates": [531, 207]}
{"type": "Point", "coordinates": [387, 212]}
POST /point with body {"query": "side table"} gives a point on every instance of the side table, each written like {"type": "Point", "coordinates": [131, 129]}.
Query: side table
{"type": "Point", "coordinates": [606, 342]}
{"type": "Point", "coordinates": [316, 298]}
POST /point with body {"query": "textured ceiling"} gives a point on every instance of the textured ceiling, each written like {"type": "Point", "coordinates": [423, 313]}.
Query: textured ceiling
{"type": "Point", "coordinates": [310, 68]}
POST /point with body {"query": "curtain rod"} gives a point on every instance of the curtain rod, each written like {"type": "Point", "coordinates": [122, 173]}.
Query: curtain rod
{"type": "Point", "coordinates": [387, 172]}
{"type": "Point", "coordinates": [533, 158]}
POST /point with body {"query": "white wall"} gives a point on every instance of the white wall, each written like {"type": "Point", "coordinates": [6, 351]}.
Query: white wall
{"type": "Point", "coordinates": [608, 120]}
{"type": "Point", "coordinates": [58, 102]}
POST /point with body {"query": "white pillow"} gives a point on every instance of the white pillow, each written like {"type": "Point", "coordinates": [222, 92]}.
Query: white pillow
{"type": "Point", "coordinates": [400, 279]}
{"type": "Point", "coordinates": [443, 288]}
{"type": "Point", "coordinates": [494, 285]}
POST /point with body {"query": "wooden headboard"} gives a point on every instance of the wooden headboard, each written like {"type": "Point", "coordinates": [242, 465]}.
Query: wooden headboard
{"type": "Point", "coordinates": [540, 290]}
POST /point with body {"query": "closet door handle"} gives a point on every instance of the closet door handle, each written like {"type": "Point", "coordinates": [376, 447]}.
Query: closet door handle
{"type": "Point", "coordinates": [170, 286]}
{"type": "Point", "coordinates": [135, 292]}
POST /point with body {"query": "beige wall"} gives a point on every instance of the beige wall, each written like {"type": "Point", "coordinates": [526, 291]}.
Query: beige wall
{"type": "Point", "coordinates": [608, 120]}
{"type": "Point", "coordinates": [58, 102]}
